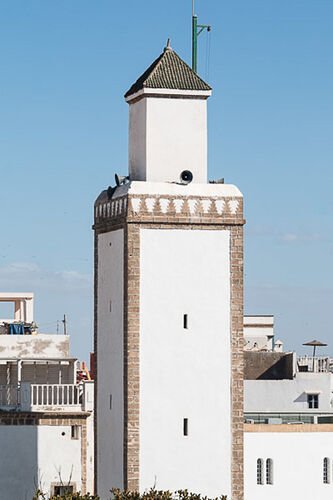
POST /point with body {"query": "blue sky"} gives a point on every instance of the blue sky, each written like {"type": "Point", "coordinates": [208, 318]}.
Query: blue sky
{"type": "Point", "coordinates": [65, 66]}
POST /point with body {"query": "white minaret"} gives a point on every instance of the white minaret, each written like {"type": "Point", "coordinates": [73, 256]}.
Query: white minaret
{"type": "Point", "coordinates": [169, 302]}
{"type": "Point", "coordinates": [168, 126]}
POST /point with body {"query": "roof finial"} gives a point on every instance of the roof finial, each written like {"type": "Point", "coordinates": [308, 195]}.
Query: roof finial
{"type": "Point", "coordinates": [168, 45]}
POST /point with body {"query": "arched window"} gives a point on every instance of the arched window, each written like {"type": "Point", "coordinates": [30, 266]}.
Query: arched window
{"type": "Point", "coordinates": [260, 475]}
{"type": "Point", "coordinates": [326, 471]}
{"type": "Point", "coordinates": [269, 471]}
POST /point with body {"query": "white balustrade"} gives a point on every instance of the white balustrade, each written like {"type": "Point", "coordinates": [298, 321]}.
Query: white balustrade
{"type": "Point", "coordinates": [47, 397]}
{"type": "Point", "coordinates": [318, 365]}
{"type": "Point", "coordinates": [55, 395]}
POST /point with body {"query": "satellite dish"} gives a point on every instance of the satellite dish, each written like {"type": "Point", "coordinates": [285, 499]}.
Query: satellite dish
{"type": "Point", "coordinates": [186, 177]}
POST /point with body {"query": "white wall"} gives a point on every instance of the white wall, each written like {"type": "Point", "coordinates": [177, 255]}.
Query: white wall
{"type": "Point", "coordinates": [34, 456]}
{"type": "Point", "coordinates": [90, 454]}
{"type": "Point", "coordinates": [58, 456]}
{"type": "Point", "coordinates": [288, 395]}
{"type": "Point", "coordinates": [19, 462]}
{"type": "Point", "coordinates": [34, 346]}
{"type": "Point", "coordinates": [185, 373]}
{"type": "Point", "coordinates": [297, 465]}
{"type": "Point", "coordinates": [88, 405]}
{"type": "Point", "coordinates": [137, 147]}
{"type": "Point", "coordinates": [260, 330]}
{"type": "Point", "coordinates": [167, 136]}
{"type": "Point", "coordinates": [110, 422]}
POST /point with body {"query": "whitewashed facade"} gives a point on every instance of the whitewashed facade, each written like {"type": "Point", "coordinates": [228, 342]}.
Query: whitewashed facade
{"type": "Point", "coordinates": [288, 438]}
{"type": "Point", "coordinates": [46, 417]}
{"type": "Point", "coordinates": [297, 454]}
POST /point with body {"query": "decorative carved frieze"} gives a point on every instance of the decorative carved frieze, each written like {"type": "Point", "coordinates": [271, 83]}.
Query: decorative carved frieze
{"type": "Point", "coordinates": [155, 205]}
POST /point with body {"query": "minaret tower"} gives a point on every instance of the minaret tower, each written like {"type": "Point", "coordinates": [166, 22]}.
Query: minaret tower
{"type": "Point", "coordinates": [169, 302]}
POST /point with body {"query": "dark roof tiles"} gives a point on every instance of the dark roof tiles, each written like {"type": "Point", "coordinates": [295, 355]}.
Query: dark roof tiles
{"type": "Point", "coordinates": [168, 71]}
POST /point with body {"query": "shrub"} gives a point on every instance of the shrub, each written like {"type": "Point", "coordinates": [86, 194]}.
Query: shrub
{"type": "Point", "coordinates": [117, 494]}
{"type": "Point", "coordinates": [153, 494]}
{"type": "Point", "coordinates": [39, 495]}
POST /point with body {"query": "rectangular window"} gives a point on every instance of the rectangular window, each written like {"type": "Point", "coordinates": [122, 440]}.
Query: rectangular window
{"type": "Point", "coordinates": [185, 426]}
{"type": "Point", "coordinates": [185, 321]}
{"type": "Point", "coordinates": [61, 490]}
{"type": "Point", "coordinates": [313, 401]}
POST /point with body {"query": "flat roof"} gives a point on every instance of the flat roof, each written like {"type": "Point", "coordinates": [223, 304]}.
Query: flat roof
{"type": "Point", "coordinates": [13, 296]}
{"type": "Point", "coordinates": [45, 360]}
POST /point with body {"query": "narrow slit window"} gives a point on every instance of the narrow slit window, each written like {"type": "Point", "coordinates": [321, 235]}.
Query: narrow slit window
{"type": "Point", "coordinates": [185, 426]}
{"type": "Point", "coordinates": [326, 471]}
{"type": "Point", "coordinates": [185, 321]}
{"type": "Point", "coordinates": [260, 477]}
{"type": "Point", "coordinates": [269, 471]}
{"type": "Point", "coordinates": [75, 432]}
{"type": "Point", "coordinates": [110, 306]}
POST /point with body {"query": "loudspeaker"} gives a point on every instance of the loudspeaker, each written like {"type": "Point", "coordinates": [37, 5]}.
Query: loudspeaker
{"type": "Point", "coordinates": [121, 179]}
{"type": "Point", "coordinates": [186, 177]}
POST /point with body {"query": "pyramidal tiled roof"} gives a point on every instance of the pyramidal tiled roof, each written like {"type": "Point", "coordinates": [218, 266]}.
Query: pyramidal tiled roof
{"type": "Point", "coordinates": [168, 71]}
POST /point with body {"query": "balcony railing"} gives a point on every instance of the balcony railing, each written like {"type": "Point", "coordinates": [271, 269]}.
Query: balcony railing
{"type": "Point", "coordinates": [47, 397]}
{"type": "Point", "coordinates": [288, 418]}
{"type": "Point", "coordinates": [317, 365]}
{"type": "Point", "coordinates": [58, 395]}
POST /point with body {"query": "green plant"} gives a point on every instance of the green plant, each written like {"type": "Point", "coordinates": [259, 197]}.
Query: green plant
{"type": "Point", "coordinates": [39, 495]}
{"type": "Point", "coordinates": [153, 494]}
{"type": "Point", "coordinates": [117, 494]}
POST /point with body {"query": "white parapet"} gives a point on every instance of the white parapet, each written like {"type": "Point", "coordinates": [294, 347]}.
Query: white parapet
{"type": "Point", "coordinates": [88, 395]}
{"type": "Point", "coordinates": [259, 332]}
{"type": "Point", "coordinates": [31, 346]}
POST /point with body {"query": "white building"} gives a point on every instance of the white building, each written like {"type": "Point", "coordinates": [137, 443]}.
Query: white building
{"type": "Point", "coordinates": [46, 418]}
{"type": "Point", "coordinates": [299, 460]}
{"type": "Point", "coordinates": [288, 438]}
{"type": "Point", "coordinates": [169, 302]}
{"type": "Point", "coordinates": [259, 333]}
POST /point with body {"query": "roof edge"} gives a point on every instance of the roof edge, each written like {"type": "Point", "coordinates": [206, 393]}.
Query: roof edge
{"type": "Point", "coordinates": [160, 92]}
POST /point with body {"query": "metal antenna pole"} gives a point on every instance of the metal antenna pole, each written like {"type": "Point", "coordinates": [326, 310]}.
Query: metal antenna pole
{"type": "Point", "coordinates": [194, 42]}
{"type": "Point", "coordinates": [65, 324]}
{"type": "Point", "coordinates": [195, 33]}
